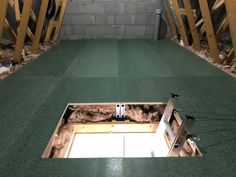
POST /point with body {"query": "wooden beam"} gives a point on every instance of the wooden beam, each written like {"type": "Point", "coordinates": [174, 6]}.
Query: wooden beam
{"type": "Point", "coordinates": [200, 22]}
{"type": "Point", "coordinates": [10, 30]}
{"type": "Point", "coordinates": [230, 56]}
{"type": "Point", "coordinates": [39, 27]}
{"type": "Point", "coordinates": [30, 34]}
{"type": "Point", "coordinates": [180, 22]}
{"type": "Point", "coordinates": [51, 24]}
{"type": "Point", "coordinates": [15, 7]}
{"type": "Point", "coordinates": [64, 153]}
{"type": "Point", "coordinates": [109, 127]}
{"type": "Point", "coordinates": [217, 5]}
{"type": "Point", "coordinates": [171, 21]}
{"type": "Point", "coordinates": [209, 31]}
{"type": "Point", "coordinates": [202, 30]}
{"type": "Point", "coordinates": [22, 30]}
{"type": "Point", "coordinates": [231, 9]}
{"type": "Point", "coordinates": [222, 28]}
{"type": "Point", "coordinates": [33, 16]}
{"type": "Point", "coordinates": [183, 12]}
{"type": "Point", "coordinates": [59, 23]}
{"type": "Point", "coordinates": [3, 11]}
{"type": "Point", "coordinates": [17, 11]}
{"type": "Point", "coordinates": [116, 128]}
{"type": "Point", "coordinates": [191, 21]}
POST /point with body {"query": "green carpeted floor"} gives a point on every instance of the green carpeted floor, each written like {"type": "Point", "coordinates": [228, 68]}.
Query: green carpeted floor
{"type": "Point", "coordinates": [33, 99]}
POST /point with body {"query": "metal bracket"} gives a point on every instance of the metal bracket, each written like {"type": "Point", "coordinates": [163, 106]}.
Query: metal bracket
{"type": "Point", "coordinates": [181, 136]}
{"type": "Point", "coordinates": [120, 111]}
{"type": "Point", "coordinates": [176, 140]}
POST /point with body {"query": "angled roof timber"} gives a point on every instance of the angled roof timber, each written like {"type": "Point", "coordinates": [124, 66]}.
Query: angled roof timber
{"type": "Point", "coordinates": [3, 11]}
{"type": "Point", "coordinates": [206, 15]}
{"type": "Point", "coordinates": [181, 26]}
{"type": "Point", "coordinates": [231, 8]}
{"type": "Point", "coordinates": [39, 26]}
{"type": "Point", "coordinates": [191, 21]}
{"type": "Point", "coordinates": [22, 30]}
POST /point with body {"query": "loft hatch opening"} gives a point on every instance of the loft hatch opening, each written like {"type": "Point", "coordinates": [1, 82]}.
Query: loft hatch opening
{"type": "Point", "coordinates": [124, 130]}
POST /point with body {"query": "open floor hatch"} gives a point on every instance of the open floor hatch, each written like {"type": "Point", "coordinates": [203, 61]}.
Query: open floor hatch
{"type": "Point", "coordinates": [97, 130]}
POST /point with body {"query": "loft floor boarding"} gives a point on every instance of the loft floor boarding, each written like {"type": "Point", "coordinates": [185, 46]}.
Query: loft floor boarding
{"type": "Point", "coordinates": [33, 99]}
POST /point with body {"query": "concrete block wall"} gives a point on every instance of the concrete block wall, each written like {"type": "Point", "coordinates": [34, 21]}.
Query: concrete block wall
{"type": "Point", "coordinates": [110, 19]}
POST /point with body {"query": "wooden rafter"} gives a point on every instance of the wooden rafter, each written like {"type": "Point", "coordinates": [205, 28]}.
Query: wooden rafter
{"type": "Point", "coordinates": [22, 30]}
{"type": "Point", "coordinates": [17, 10]}
{"type": "Point", "coordinates": [222, 27]}
{"type": "Point", "coordinates": [51, 24]}
{"type": "Point", "coordinates": [209, 30]}
{"type": "Point", "coordinates": [22, 19]}
{"type": "Point", "coordinates": [231, 16]}
{"type": "Point", "coordinates": [191, 21]}
{"type": "Point", "coordinates": [217, 5]}
{"type": "Point", "coordinates": [171, 21]}
{"type": "Point", "coordinates": [15, 7]}
{"type": "Point", "coordinates": [183, 12]}
{"type": "Point", "coordinates": [230, 56]}
{"type": "Point", "coordinates": [199, 22]}
{"type": "Point", "coordinates": [3, 11]}
{"type": "Point", "coordinates": [59, 23]}
{"type": "Point", "coordinates": [181, 26]}
{"type": "Point", "coordinates": [10, 30]}
{"type": "Point", "coordinates": [39, 27]}
{"type": "Point", "coordinates": [33, 16]}
{"type": "Point", "coordinates": [205, 26]}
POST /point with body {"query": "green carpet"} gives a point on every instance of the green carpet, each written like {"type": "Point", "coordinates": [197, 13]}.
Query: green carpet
{"type": "Point", "coordinates": [33, 99]}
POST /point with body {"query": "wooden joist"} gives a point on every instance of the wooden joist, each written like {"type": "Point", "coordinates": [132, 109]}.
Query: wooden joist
{"type": "Point", "coordinates": [15, 7]}
{"type": "Point", "coordinates": [39, 26]}
{"type": "Point", "coordinates": [192, 26]}
{"type": "Point", "coordinates": [199, 23]}
{"type": "Point", "coordinates": [22, 16]}
{"type": "Point", "coordinates": [171, 21]}
{"type": "Point", "coordinates": [17, 11]}
{"type": "Point", "coordinates": [10, 30]}
{"type": "Point", "coordinates": [51, 24]}
{"type": "Point", "coordinates": [59, 23]}
{"type": "Point", "coordinates": [205, 26]}
{"type": "Point", "coordinates": [209, 31]}
{"type": "Point", "coordinates": [224, 24]}
{"type": "Point", "coordinates": [217, 5]}
{"type": "Point", "coordinates": [122, 127]}
{"type": "Point", "coordinates": [183, 12]}
{"type": "Point", "coordinates": [230, 56]}
{"type": "Point", "coordinates": [181, 26]}
{"type": "Point", "coordinates": [231, 16]}
{"type": "Point", "coordinates": [33, 16]}
{"type": "Point", "coordinates": [3, 11]}
{"type": "Point", "coordinates": [22, 30]}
